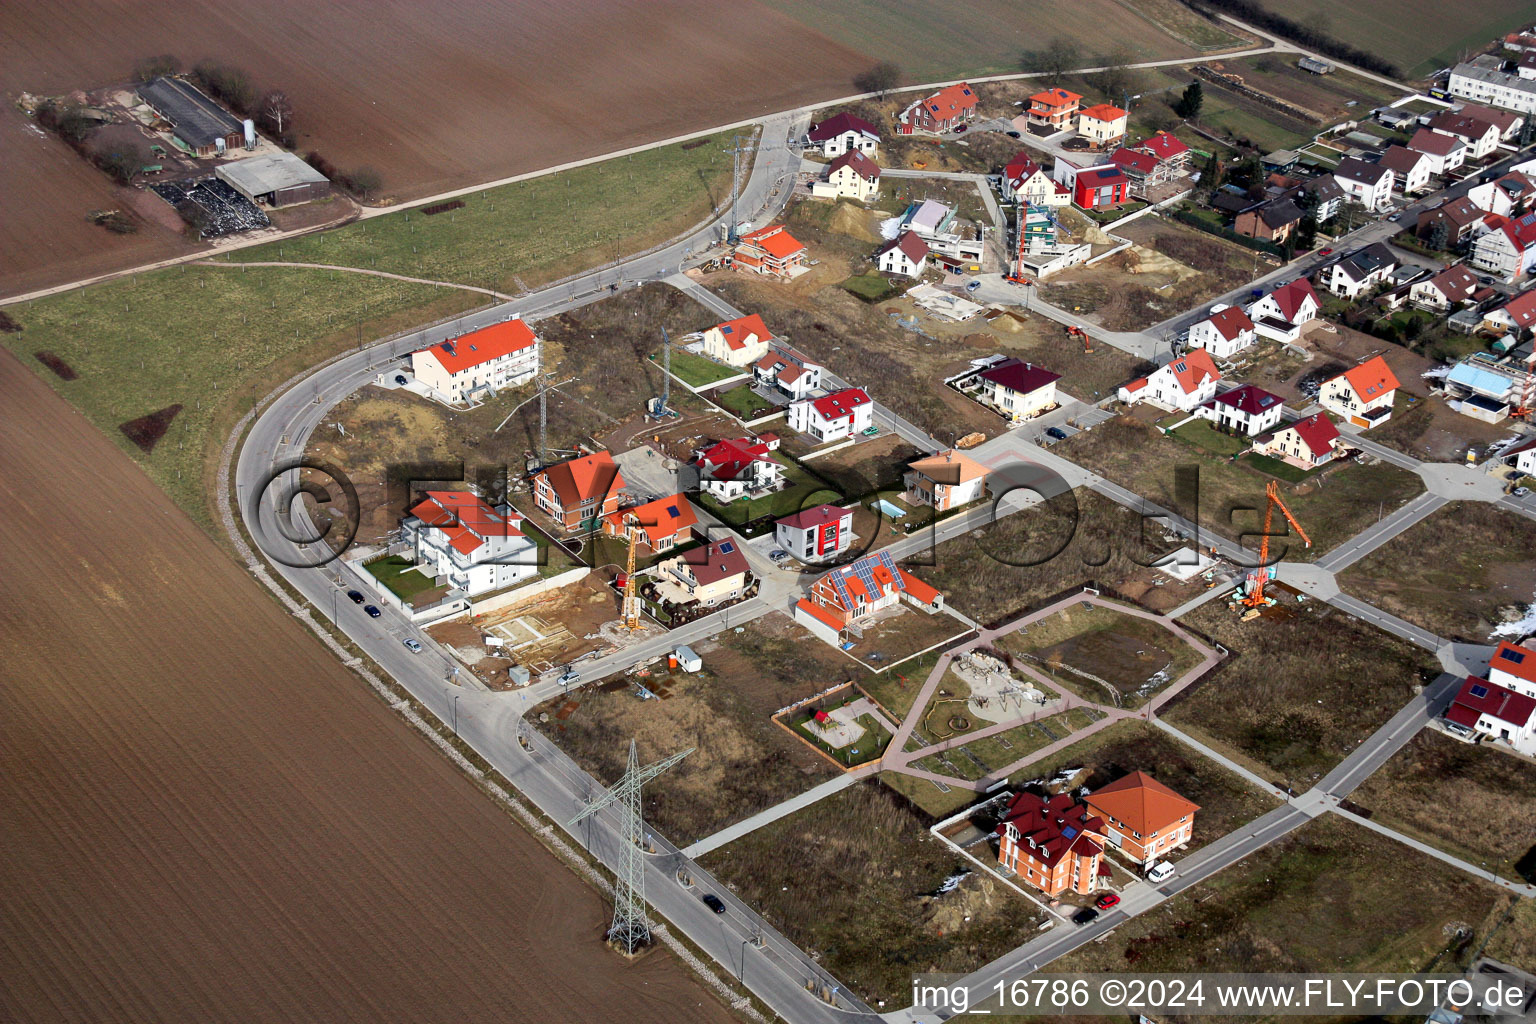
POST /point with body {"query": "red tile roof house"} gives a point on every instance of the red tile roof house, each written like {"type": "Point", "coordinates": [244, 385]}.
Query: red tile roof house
{"type": "Point", "coordinates": [739, 467]}
{"type": "Point", "coordinates": [1142, 169]}
{"type": "Point", "coordinates": [1445, 152]}
{"type": "Point", "coordinates": [578, 493]}
{"type": "Point", "coordinates": [1224, 333]}
{"type": "Point", "coordinates": [1514, 667]}
{"type": "Point", "coordinates": [816, 534]}
{"type": "Point", "coordinates": [1170, 151]}
{"type": "Point", "coordinates": [663, 523]}
{"type": "Point", "coordinates": [833, 417]}
{"type": "Point", "coordinates": [1369, 184]}
{"type": "Point", "coordinates": [1281, 314]}
{"type": "Point", "coordinates": [1026, 181]}
{"type": "Point", "coordinates": [844, 133]}
{"type": "Point", "coordinates": [1412, 168]}
{"type": "Point", "coordinates": [738, 342]}
{"type": "Point", "coordinates": [850, 176]}
{"type": "Point", "coordinates": [1054, 110]}
{"type": "Point", "coordinates": [1480, 136]}
{"type": "Point", "coordinates": [1460, 216]}
{"type": "Point", "coordinates": [946, 480]}
{"type": "Point", "coordinates": [1509, 251]}
{"type": "Point", "coordinates": [1506, 121]}
{"type": "Point", "coordinates": [705, 575]}
{"type": "Point", "coordinates": [1017, 389]}
{"type": "Point", "coordinates": [1248, 410]}
{"type": "Point", "coordinates": [850, 594]}
{"type": "Point", "coordinates": [771, 251]}
{"type": "Point", "coordinates": [1362, 395]}
{"type": "Point", "coordinates": [1054, 844]}
{"type": "Point", "coordinates": [1144, 819]}
{"type": "Point", "coordinates": [941, 112]}
{"type": "Point", "coordinates": [1099, 187]}
{"type": "Point", "coordinates": [459, 539]}
{"type": "Point", "coordinates": [1305, 444]}
{"type": "Point", "coordinates": [788, 371]}
{"type": "Point", "coordinates": [906, 255]}
{"type": "Point", "coordinates": [1102, 125]}
{"type": "Point", "coordinates": [1451, 287]}
{"type": "Point", "coordinates": [1485, 709]}
{"type": "Point", "coordinates": [1515, 315]}
{"type": "Point", "coordinates": [1181, 385]}
{"type": "Point", "coordinates": [459, 370]}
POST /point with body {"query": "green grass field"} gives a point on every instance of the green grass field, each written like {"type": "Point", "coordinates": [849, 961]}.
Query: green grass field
{"type": "Point", "coordinates": [215, 339]}
{"type": "Point", "coordinates": [400, 576]}
{"type": "Point", "coordinates": [698, 371]}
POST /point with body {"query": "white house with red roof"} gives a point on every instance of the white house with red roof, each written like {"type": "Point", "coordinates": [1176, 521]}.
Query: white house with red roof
{"type": "Point", "coordinates": [662, 524]}
{"type": "Point", "coordinates": [833, 417]}
{"type": "Point", "coordinates": [788, 371]}
{"type": "Point", "coordinates": [1445, 152]}
{"type": "Point", "coordinates": [1281, 314]}
{"type": "Point", "coordinates": [1362, 395]}
{"type": "Point", "coordinates": [1102, 124]}
{"type": "Point", "coordinates": [1054, 109]}
{"type": "Point", "coordinates": [704, 575]}
{"type": "Point", "coordinates": [1518, 314]}
{"type": "Point", "coordinates": [1026, 181]}
{"type": "Point", "coordinates": [1508, 251]}
{"type": "Point", "coordinates": [1480, 137]}
{"type": "Point", "coordinates": [1514, 667]}
{"type": "Point", "coordinates": [1227, 331]}
{"type": "Point", "coordinates": [816, 534]}
{"type": "Point", "coordinates": [844, 133]}
{"type": "Point", "coordinates": [771, 251]}
{"type": "Point", "coordinates": [1170, 150]}
{"type": "Point", "coordinates": [1306, 443]}
{"type": "Point", "coordinates": [461, 369]}
{"type": "Point", "coordinates": [850, 176]}
{"type": "Point", "coordinates": [1486, 710]}
{"type": "Point", "coordinates": [462, 542]}
{"type": "Point", "coordinates": [1182, 384]}
{"type": "Point", "coordinates": [1247, 410]}
{"type": "Point", "coordinates": [738, 467]}
{"type": "Point", "coordinates": [953, 105]}
{"type": "Point", "coordinates": [738, 342]}
{"type": "Point", "coordinates": [850, 594]}
{"type": "Point", "coordinates": [1507, 196]}
{"type": "Point", "coordinates": [1019, 390]}
{"type": "Point", "coordinates": [906, 255]}
{"type": "Point", "coordinates": [1451, 287]}
{"type": "Point", "coordinates": [1411, 168]}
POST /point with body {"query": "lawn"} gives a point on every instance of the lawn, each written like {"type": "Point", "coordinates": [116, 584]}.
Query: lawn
{"type": "Point", "coordinates": [1103, 655]}
{"type": "Point", "coordinates": [1226, 800]}
{"type": "Point", "coordinates": [698, 372]}
{"type": "Point", "coordinates": [1471, 801]}
{"type": "Point", "coordinates": [1203, 434]}
{"type": "Point", "coordinates": [214, 339]}
{"type": "Point", "coordinates": [804, 490]}
{"type": "Point", "coordinates": [990, 755]}
{"type": "Point", "coordinates": [1304, 684]}
{"type": "Point", "coordinates": [400, 576]}
{"type": "Point", "coordinates": [871, 286]}
{"type": "Point", "coordinates": [866, 748]}
{"type": "Point", "coordinates": [743, 401]}
{"type": "Point", "coordinates": [1329, 897]}
{"type": "Point", "coordinates": [1021, 561]}
{"type": "Point", "coordinates": [1332, 506]}
{"type": "Point", "coordinates": [1456, 572]}
{"type": "Point", "coordinates": [852, 881]}
{"type": "Point", "coordinates": [896, 690]}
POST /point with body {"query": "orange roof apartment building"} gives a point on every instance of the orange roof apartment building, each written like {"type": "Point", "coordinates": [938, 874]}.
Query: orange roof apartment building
{"type": "Point", "coordinates": [1054, 844]}
{"type": "Point", "coordinates": [577, 492]}
{"type": "Point", "coordinates": [771, 251]}
{"type": "Point", "coordinates": [1143, 818]}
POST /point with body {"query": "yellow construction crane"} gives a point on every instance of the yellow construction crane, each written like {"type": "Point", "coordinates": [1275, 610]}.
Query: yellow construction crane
{"type": "Point", "coordinates": [1255, 596]}
{"type": "Point", "coordinates": [631, 599]}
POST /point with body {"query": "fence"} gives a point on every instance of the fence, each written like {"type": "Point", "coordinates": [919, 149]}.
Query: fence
{"type": "Point", "coordinates": [1196, 221]}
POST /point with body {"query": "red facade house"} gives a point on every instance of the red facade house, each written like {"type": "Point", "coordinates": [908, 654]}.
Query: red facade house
{"type": "Point", "coordinates": [1101, 187]}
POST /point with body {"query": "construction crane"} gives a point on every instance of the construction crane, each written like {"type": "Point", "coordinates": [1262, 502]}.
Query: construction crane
{"type": "Point", "coordinates": [659, 405]}
{"type": "Point", "coordinates": [1527, 407]}
{"type": "Point", "coordinates": [1255, 596]}
{"type": "Point", "coordinates": [631, 599]}
{"type": "Point", "coordinates": [736, 150]}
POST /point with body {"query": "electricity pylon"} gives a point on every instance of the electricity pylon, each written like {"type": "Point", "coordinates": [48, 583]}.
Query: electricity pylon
{"type": "Point", "coordinates": [629, 931]}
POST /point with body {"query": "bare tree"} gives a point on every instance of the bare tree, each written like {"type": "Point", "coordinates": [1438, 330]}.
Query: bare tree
{"type": "Point", "coordinates": [1059, 56]}
{"type": "Point", "coordinates": [277, 112]}
{"type": "Point", "coordinates": [1116, 77]}
{"type": "Point", "coordinates": [363, 182]}
{"type": "Point", "coordinates": [880, 79]}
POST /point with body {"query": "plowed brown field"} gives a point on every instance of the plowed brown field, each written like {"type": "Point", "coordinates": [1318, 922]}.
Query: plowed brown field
{"type": "Point", "coordinates": [206, 818]}
{"type": "Point", "coordinates": [436, 96]}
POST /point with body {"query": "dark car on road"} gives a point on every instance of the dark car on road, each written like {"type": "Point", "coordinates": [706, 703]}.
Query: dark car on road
{"type": "Point", "coordinates": [713, 902]}
{"type": "Point", "coordinates": [355, 596]}
{"type": "Point", "coordinates": [1085, 916]}
{"type": "Point", "coordinates": [1056, 432]}
{"type": "Point", "coordinates": [372, 611]}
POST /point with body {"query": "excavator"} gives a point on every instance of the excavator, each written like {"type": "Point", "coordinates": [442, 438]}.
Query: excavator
{"type": "Point", "coordinates": [1254, 599]}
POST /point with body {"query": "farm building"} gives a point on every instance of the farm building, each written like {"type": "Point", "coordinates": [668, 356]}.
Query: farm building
{"type": "Point", "coordinates": [1312, 64]}
{"type": "Point", "coordinates": [200, 125]}
{"type": "Point", "coordinates": [275, 179]}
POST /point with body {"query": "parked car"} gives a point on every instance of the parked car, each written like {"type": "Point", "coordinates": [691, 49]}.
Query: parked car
{"type": "Point", "coordinates": [971, 286]}
{"type": "Point", "coordinates": [412, 644]}
{"type": "Point", "coordinates": [713, 902]}
{"type": "Point", "coordinates": [1014, 135]}
{"type": "Point", "coordinates": [1056, 432]}
{"type": "Point", "coordinates": [356, 596]}
{"type": "Point", "coordinates": [400, 379]}
{"type": "Point", "coordinates": [777, 555]}
{"type": "Point", "coordinates": [372, 611]}
{"type": "Point", "coordinates": [1106, 901]}
{"type": "Point", "coordinates": [1325, 252]}
{"type": "Point", "coordinates": [1085, 916]}
{"type": "Point", "coordinates": [961, 127]}
{"type": "Point", "coordinates": [1520, 492]}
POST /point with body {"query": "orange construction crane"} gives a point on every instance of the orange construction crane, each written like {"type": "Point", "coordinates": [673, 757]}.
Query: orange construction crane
{"type": "Point", "coordinates": [1255, 596]}
{"type": "Point", "coordinates": [1527, 407]}
{"type": "Point", "coordinates": [631, 599]}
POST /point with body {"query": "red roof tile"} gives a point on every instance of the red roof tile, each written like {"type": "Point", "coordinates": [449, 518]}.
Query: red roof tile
{"type": "Point", "coordinates": [1495, 701]}
{"type": "Point", "coordinates": [837, 124]}
{"type": "Point", "coordinates": [736, 332]}
{"type": "Point", "coordinates": [1371, 379]}
{"type": "Point", "coordinates": [1231, 322]}
{"type": "Point", "coordinates": [476, 347]}
{"type": "Point", "coordinates": [1317, 432]}
{"type": "Point", "coordinates": [1102, 112]}
{"type": "Point", "coordinates": [862, 165]}
{"type": "Point", "coordinates": [1517, 661]}
{"type": "Point", "coordinates": [590, 477]}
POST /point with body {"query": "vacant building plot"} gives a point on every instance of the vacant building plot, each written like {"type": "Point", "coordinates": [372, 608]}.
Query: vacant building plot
{"type": "Point", "coordinates": [1303, 685]}
{"type": "Point", "coordinates": [1330, 896]}
{"type": "Point", "coordinates": [742, 762]}
{"type": "Point", "coordinates": [1102, 655]}
{"type": "Point", "coordinates": [1429, 429]}
{"type": "Point", "coordinates": [1458, 573]}
{"type": "Point", "coordinates": [1139, 456]}
{"type": "Point", "coordinates": [1020, 561]}
{"type": "Point", "coordinates": [1226, 800]}
{"type": "Point", "coordinates": [1337, 96]}
{"type": "Point", "coordinates": [1475, 802]}
{"type": "Point", "coordinates": [209, 818]}
{"type": "Point", "coordinates": [867, 466]}
{"type": "Point", "coordinates": [858, 883]}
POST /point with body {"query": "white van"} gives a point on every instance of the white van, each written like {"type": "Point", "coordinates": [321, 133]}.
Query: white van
{"type": "Point", "coordinates": [1160, 872]}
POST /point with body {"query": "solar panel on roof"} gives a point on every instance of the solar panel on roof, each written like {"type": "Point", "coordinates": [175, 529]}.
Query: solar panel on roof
{"type": "Point", "coordinates": [672, 511]}
{"type": "Point", "coordinates": [726, 547]}
{"type": "Point", "coordinates": [1068, 832]}
{"type": "Point", "coordinates": [1515, 657]}
{"type": "Point", "coordinates": [1479, 691]}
